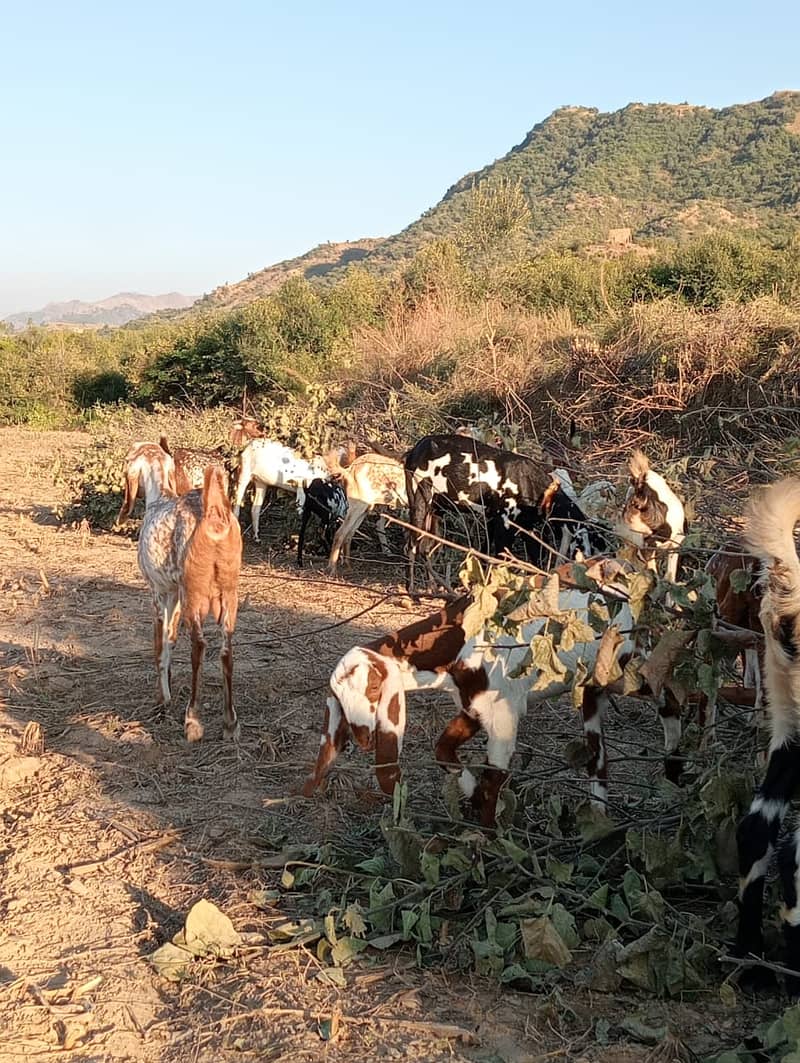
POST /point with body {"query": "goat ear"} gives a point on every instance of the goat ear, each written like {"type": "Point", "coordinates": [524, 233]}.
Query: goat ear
{"type": "Point", "coordinates": [639, 465]}
{"type": "Point", "coordinates": [131, 491]}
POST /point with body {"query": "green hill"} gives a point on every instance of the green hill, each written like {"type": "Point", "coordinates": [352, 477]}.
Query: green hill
{"type": "Point", "coordinates": [660, 170]}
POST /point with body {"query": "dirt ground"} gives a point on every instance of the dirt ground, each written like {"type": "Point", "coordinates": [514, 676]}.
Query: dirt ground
{"type": "Point", "coordinates": [117, 827]}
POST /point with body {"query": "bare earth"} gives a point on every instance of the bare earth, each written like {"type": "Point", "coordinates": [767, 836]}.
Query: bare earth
{"type": "Point", "coordinates": [118, 827]}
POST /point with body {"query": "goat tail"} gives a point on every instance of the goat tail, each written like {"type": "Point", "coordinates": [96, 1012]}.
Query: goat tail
{"type": "Point", "coordinates": [217, 519]}
{"type": "Point", "coordinates": [162, 442]}
{"type": "Point", "coordinates": [769, 535]}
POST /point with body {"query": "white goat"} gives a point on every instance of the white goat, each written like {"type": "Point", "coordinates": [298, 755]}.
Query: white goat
{"type": "Point", "coordinates": [271, 464]}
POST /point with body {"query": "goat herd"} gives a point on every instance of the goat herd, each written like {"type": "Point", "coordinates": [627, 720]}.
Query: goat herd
{"type": "Point", "coordinates": [190, 550]}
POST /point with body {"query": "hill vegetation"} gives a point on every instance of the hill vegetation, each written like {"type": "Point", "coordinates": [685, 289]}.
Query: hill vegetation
{"type": "Point", "coordinates": [476, 319]}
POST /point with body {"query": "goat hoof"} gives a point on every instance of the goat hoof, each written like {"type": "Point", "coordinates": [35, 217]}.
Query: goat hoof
{"type": "Point", "coordinates": [193, 730]}
{"type": "Point", "coordinates": [229, 734]}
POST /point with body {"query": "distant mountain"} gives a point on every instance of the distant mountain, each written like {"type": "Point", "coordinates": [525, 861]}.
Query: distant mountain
{"type": "Point", "coordinates": [115, 310]}
{"type": "Point", "coordinates": [659, 170]}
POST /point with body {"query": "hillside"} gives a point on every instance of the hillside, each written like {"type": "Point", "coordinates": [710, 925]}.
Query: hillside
{"type": "Point", "coordinates": [662, 170]}
{"type": "Point", "coordinates": [115, 310]}
{"type": "Point", "coordinates": [314, 264]}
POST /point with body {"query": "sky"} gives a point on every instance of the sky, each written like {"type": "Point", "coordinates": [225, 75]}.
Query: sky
{"type": "Point", "coordinates": [178, 146]}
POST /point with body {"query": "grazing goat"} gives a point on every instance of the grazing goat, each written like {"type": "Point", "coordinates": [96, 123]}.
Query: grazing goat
{"type": "Point", "coordinates": [561, 526]}
{"type": "Point", "coordinates": [191, 463]}
{"type": "Point", "coordinates": [243, 430]}
{"type": "Point", "coordinates": [369, 480]}
{"type": "Point", "coordinates": [741, 609]}
{"type": "Point", "coordinates": [769, 535]}
{"type": "Point", "coordinates": [369, 684]}
{"type": "Point", "coordinates": [271, 464]}
{"type": "Point", "coordinates": [190, 554]}
{"type": "Point", "coordinates": [327, 501]}
{"type": "Point", "coordinates": [149, 469]}
{"type": "Point", "coordinates": [653, 516]}
{"type": "Point", "coordinates": [458, 472]}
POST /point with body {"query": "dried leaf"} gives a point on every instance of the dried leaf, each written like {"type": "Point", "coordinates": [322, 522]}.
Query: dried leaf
{"type": "Point", "coordinates": [606, 665]}
{"type": "Point", "coordinates": [659, 666]}
{"type": "Point", "coordinates": [542, 942]}
{"type": "Point", "coordinates": [209, 932]}
{"type": "Point", "coordinates": [170, 961]}
{"type": "Point", "coordinates": [354, 920]}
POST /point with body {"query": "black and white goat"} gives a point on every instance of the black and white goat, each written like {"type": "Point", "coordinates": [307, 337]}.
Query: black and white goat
{"type": "Point", "coordinates": [653, 517]}
{"type": "Point", "coordinates": [561, 527]}
{"type": "Point", "coordinates": [769, 535]}
{"type": "Point", "coordinates": [453, 471]}
{"type": "Point", "coordinates": [326, 500]}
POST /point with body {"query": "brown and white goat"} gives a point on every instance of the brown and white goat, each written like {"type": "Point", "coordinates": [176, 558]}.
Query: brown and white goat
{"type": "Point", "coordinates": [369, 480]}
{"type": "Point", "coordinates": [190, 554]}
{"type": "Point", "coordinates": [769, 534]}
{"type": "Point", "coordinates": [147, 467]}
{"type": "Point", "coordinates": [653, 516]}
{"type": "Point", "coordinates": [369, 685]}
{"type": "Point", "coordinates": [191, 463]}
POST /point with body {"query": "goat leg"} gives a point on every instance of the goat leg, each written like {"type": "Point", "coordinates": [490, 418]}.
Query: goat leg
{"type": "Point", "coordinates": [192, 725]}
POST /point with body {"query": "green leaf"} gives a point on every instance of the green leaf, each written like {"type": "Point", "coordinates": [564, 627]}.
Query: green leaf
{"type": "Point", "coordinates": [409, 919]}
{"type": "Point", "coordinates": [727, 994]}
{"type": "Point", "coordinates": [384, 941]}
{"type": "Point", "coordinates": [557, 871]}
{"type": "Point", "coordinates": [429, 865]}
{"type": "Point", "coordinates": [739, 580]}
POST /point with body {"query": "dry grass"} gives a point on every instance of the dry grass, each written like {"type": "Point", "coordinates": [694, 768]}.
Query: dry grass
{"type": "Point", "coordinates": [117, 827]}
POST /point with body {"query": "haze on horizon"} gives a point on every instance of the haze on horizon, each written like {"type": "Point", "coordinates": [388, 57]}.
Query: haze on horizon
{"type": "Point", "coordinates": [176, 147]}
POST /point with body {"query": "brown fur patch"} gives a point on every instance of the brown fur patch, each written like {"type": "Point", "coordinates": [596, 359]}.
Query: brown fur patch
{"type": "Point", "coordinates": [375, 680]}
{"type": "Point", "coordinates": [363, 736]}
{"type": "Point", "coordinates": [430, 645]}
{"type": "Point", "coordinates": [460, 729]}
{"type": "Point", "coordinates": [393, 710]}
{"type": "Point", "coordinates": [470, 682]}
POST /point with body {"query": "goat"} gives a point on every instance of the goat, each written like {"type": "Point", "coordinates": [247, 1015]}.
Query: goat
{"type": "Point", "coordinates": [370, 480]}
{"type": "Point", "coordinates": [190, 554]}
{"type": "Point", "coordinates": [271, 464]}
{"type": "Point", "coordinates": [740, 608]}
{"type": "Point", "coordinates": [369, 684]}
{"type": "Point", "coordinates": [561, 526]}
{"type": "Point", "coordinates": [149, 468]}
{"type": "Point", "coordinates": [191, 463]}
{"type": "Point", "coordinates": [653, 516]}
{"type": "Point", "coordinates": [243, 430]}
{"type": "Point", "coordinates": [465, 473]}
{"type": "Point", "coordinates": [328, 502]}
{"type": "Point", "coordinates": [769, 536]}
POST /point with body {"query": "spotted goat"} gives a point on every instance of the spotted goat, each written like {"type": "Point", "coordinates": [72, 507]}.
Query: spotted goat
{"type": "Point", "coordinates": [271, 464]}
{"type": "Point", "coordinates": [191, 463]}
{"type": "Point", "coordinates": [443, 472]}
{"type": "Point", "coordinates": [148, 470]}
{"type": "Point", "coordinates": [769, 534]}
{"type": "Point", "coordinates": [190, 553]}
{"type": "Point", "coordinates": [369, 684]}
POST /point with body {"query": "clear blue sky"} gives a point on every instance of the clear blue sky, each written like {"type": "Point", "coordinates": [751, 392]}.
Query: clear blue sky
{"type": "Point", "coordinates": [160, 146]}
